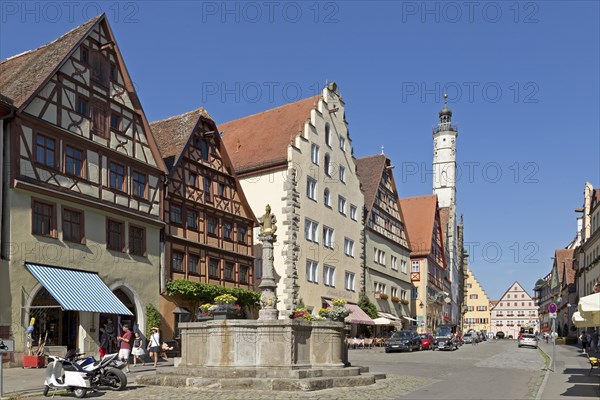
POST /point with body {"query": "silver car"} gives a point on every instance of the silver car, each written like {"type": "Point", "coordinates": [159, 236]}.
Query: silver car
{"type": "Point", "coordinates": [528, 339]}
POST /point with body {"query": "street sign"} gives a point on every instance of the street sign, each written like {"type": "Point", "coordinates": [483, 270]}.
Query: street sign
{"type": "Point", "coordinates": [7, 346]}
{"type": "Point", "coordinates": [552, 315]}
{"type": "Point", "coordinates": [552, 308]}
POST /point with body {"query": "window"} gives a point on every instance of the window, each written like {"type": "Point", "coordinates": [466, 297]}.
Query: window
{"type": "Point", "coordinates": [72, 225]}
{"type": "Point", "coordinates": [73, 161]}
{"type": "Point", "coordinates": [403, 266]}
{"type": "Point", "coordinates": [192, 219]}
{"type": "Point", "coordinates": [99, 119]}
{"type": "Point", "coordinates": [328, 134]}
{"type": "Point", "coordinates": [403, 294]}
{"type": "Point", "coordinates": [353, 212]}
{"type": "Point", "coordinates": [311, 188]}
{"type": "Point", "coordinates": [116, 235]}
{"type": "Point", "coordinates": [207, 184]}
{"type": "Point", "coordinates": [469, 286]}
{"type": "Point", "coordinates": [243, 273]}
{"type": "Point", "coordinates": [84, 55]}
{"type": "Point", "coordinates": [113, 71]}
{"type": "Point", "coordinates": [342, 205]}
{"type": "Point", "coordinates": [416, 266]}
{"type": "Point", "coordinates": [349, 280]}
{"type": "Point", "coordinates": [100, 68]}
{"type": "Point", "coordinates": [211, 226]}
{"type": "Point", "coordinates": [328, 237]}
{"type": "Point", "coordinates": [193, 261]}
{"type": "Point", "coordinates": [311, 231]}
{"type": "Point", "coordinates": [139, 184]}
{"type": "Point", "coordinates": [328, 276]}
{"type": "Point", "coordinates": [349, 247]}
{"type": "Point", "coordinates": [481, 308]}
{"type": "Point", "coordinates": [314, 154]}
{"type": "Point", "coordinates": [312, 271]}
{"type": "Point", "coordinates": [213, 268]}
{"type": "Point", "coordinates": [43, 217]}
{"type": "Point", "coordinates": [342, 144]}
{"type": "Point", "coordinates": [229, 271]}
{"type": "Point", "coordinates": [221, 190]}
{"type": "Point", "coordinates": [394, 263]}
{"type": "Point", "coordinates": [175, 215]}
{"type": "Point", "coordinates": [192, 180]}
{"type": "Point", "coordinates": [115, 122]}
{"type": "Point", "coordinates": [177, 261]}
{"type": "Point", "coordinates": [415, 293]}
{"type": "Point", "coordinates": [227, 231]}
{"type": "Point", "coordinates": [241, 234]}
{"type": "Point", "coordinates": [394, 292]}
{"type": "Point", "coordinates": [203, 147]}
{"type": "Point", "coordinates": [379, 287]}
{"type": "Point", "coordinates": [116, 176]}
{"type": "Point", "coordinates": [473, 296]}
{"type": "Point", "coordinates": [137, 240]}
{"type": "Point", "coordinates": [380, 257]}
{"type": "Point", "coordinates": [508, 296]}
{"type": "Point", "coordinates": [327, 166]}
{"type": "Point", "coordinates": [327, 198]}
{"type": "Point", "coordinates": [342, 171]}
{"type": "Point", "coordinates": [45, 151]}
{"type": "Point", "coordinates": [82, 106]}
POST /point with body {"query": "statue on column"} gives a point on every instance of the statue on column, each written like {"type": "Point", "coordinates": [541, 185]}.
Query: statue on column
{"type": "Point", "coordinates": [267, 285]}
{"type": "Point", "coordinates": [267, 222]}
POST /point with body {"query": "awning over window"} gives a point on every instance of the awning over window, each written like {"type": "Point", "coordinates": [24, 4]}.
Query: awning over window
{"type": "Point", "coordinates": [77, 290]}
{"type": "Point", "coordinates": [388, 316]}
{"type": "Point", "coordinates": [357, 315]}
{"type": "Point", "coordinates": [409, 318]}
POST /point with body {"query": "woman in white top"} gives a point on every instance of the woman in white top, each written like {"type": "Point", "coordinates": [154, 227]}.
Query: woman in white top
{"type": "Point", "coordinates": [154, 345]}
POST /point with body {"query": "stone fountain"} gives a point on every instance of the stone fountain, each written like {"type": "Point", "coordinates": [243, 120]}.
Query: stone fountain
{"type": "Point", "coordinates": [264, 354]}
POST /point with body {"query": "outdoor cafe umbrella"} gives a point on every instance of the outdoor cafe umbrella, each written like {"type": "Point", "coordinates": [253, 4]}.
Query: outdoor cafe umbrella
{"type": "Point", "coordinates": [589, 309]}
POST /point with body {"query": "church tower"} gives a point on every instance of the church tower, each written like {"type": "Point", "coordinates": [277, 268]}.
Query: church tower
{"type": "Point", "coordinates": [444, 186]}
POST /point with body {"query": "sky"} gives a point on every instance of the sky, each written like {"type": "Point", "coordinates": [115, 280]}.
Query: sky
{"type": "Point", "coordinates": [522, 80]}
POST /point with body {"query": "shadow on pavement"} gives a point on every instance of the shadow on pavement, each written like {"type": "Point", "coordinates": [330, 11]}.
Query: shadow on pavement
{"type": "Point", "coordinates": [591, 391]}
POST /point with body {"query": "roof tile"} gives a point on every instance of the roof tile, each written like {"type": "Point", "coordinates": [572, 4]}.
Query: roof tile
{"type": "Point", "coordinates": [419, 217]}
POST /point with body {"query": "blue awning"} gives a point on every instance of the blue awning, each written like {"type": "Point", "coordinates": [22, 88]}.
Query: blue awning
{"type": "Point", "coordinates": [77, 290]}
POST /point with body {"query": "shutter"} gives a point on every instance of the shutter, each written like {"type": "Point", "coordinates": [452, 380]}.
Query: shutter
{"type": "Point", "coordinates": [99, 119]}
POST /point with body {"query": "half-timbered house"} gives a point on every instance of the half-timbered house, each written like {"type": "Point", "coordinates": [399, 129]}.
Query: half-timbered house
{"type": "Point", "coordinates": [82, 205]}
{"type": "Point", "coordinates": [428, 261]}
{"type": "Point", "coordinates": [208, 234]}
{"type": "Point", "coordinates": [387, 260]}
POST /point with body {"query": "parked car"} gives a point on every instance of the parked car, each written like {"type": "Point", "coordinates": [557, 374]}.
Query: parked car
{"type": "Point", "coordinates": [528, 339]}
{"type": "Point", "coordinates": [403, 340]}
{"type": "Point", "coordinates": [445, 338]}
{"type": "Point", "coordinates": [468, 338]}
{"type": "Point", "coordinates": [499, 335]}
{"type": "Point", "coordinates": [426, 341]}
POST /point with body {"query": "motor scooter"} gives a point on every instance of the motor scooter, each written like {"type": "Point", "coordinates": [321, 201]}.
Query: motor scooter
{"type": "Point", "coordinates": [64, 374]}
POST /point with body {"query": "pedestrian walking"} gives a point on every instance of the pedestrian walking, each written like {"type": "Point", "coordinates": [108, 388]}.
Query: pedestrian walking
{"type": "Point", "coordinates": [594, 341]}
{"type": "Point", "coordinates": [546, 337]}
{"type": "Point", "coordinates": [154, 345]}
{"type": "Point", "coordinates": [583, 338]}
{"type": "Point", "coordinates": [104, 342]}
{"type": "Point", "coordinates": [138, 350]}
{"type": "Point", "coordinates": [125, 348]}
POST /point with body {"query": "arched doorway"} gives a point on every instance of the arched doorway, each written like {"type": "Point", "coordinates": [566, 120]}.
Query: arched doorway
{"type": "Point", "coordinates": [113, 323]}
{"type": "Point", "coordinates": [52, 325]}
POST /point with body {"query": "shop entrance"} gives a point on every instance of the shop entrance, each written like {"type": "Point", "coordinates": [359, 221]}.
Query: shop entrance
{"type": "Point", "coordinates": [112, 323]}
{"type": "Point", "coordinates": [52, 326]}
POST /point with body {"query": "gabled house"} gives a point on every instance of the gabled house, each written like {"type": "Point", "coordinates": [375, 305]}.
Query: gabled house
{"type": "Point", "coordinates": [428, 262]}
{"type": "Point", "coordinates": [515, 309]}
{"type": "Point", "coordinates": [208, 233]}
{"type": "Point", "coordinates": [478, 306]}
{"type": "Point", "coordinates": [387, 260]}
{"type": "Point", "coordinates": [298, 158]}
{"type": "Point", "coordinates": [82, 196]}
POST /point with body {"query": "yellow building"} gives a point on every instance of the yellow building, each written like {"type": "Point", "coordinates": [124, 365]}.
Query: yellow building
{"type": "Point", "coordinates": [477, 304]}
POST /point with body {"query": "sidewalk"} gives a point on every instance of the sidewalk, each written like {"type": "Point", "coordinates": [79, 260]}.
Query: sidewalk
{"type": "Point", "coordinates": [570, 380]}
{"type": "Point", "coordinates": [30, 381]}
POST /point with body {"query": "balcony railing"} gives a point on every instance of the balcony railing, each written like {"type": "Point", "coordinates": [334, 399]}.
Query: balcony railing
{"type": "Point", "coordinates": [446, 126]}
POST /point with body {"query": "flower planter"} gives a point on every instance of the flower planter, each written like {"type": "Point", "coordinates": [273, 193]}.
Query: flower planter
{"type": "Point", "coordinates": [405, 302]}
{"type": "Point", "coordinates": [225, 311]}
{"type": "Point", "coordinates": [395, 299]}
{"type": "Point", "coordinates": [34, 361]}
{"type": "Point", "coordinates": [378, 295]}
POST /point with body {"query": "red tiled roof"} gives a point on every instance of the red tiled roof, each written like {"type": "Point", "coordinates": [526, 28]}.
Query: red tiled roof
{"type": "Point", "coordinates": [262, 139]}
{"type": "Point", "coordinates": [444, 219]}
{"type": "Point", "coordinates": [370, 170]}
{"type": "Point", "coordinates": [564, 259]}
{"type": "Point", "coordinates": [419, 217]}
{"type": "Point", "coordinates": [172, 133]}
{"type": "Point", "coordinates": [23, 74]}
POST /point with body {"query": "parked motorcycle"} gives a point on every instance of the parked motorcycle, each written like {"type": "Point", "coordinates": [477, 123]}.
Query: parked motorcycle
{"type": "Point", "coordinates": [103, 373]}
{"type": "Point", "coordinates": [64, 374]}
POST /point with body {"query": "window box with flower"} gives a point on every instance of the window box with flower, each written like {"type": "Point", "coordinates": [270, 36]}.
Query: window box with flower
{"type": "Point", "coordinates": [381, 296]}
{"type": "Point", "coordinates": [226, 307]}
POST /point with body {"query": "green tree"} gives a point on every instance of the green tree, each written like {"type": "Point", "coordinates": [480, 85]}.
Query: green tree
{"type": "Point", "coordinates": [152, 319]}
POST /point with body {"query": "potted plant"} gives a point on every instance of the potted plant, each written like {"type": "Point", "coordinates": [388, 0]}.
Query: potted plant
{"type": "Point", "coordinates": [404, 301]}
{"type": "Point", "coordinates": [225, 307]}
{"type": "Point", "coordinates": [383, 296]}
{"type": "Point", "coordinates": [395, 299]}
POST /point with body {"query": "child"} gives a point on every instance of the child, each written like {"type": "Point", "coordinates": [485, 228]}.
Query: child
{"type": "Point", "coordinates": [138, 350]}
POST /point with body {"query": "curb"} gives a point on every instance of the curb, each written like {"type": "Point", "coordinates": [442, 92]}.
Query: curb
{"type": "Point", "coordinates": [542, 386]}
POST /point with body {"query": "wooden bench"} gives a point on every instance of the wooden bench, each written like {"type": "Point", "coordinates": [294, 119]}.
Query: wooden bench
{"type": "Point", "coordinates": [594, 362]}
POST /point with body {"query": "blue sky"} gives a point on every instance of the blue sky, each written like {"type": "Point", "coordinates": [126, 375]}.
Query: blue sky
{"type": "Point", "coordinates": [522, 78]}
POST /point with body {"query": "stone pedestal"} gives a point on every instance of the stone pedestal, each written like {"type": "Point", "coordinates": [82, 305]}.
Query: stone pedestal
{"type": "Point", "coordinates": [268, 298]}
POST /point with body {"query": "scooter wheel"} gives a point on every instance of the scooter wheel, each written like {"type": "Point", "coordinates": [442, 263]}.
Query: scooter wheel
{"type": "Point", "coordinates": [80, 393]}
{"type": "Point", "coordinates": [46, 390]}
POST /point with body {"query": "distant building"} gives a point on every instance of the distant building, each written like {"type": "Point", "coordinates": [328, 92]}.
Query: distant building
{"type": "Point", "coordinates": [428, 262]}
{"type": "Point", "coordinates": [298, 158]}
{"type": "Point", "coordinates": [387, 259]}
{"type": "Point", "coordinates": [478, 310]}
{"type": "Point", "coordinates": [208, 235]}
{"type": "Point", "coordinates": [515, 308]}
{"type": "Point", "coordinates": [588, 266]}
